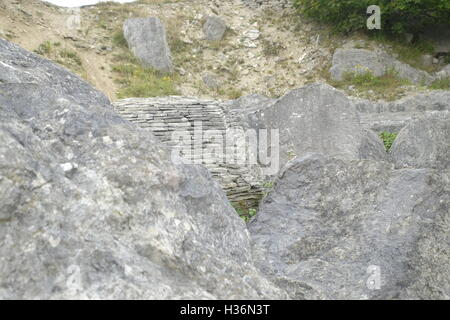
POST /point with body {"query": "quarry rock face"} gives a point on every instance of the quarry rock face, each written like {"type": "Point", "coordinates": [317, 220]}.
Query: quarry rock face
{"type": "Point", "coordinates": [172, 117]}
{"type": "Point", "coordinates": [318, 118]}
{"type": "Point", "coordinates": [424, 143]}
{"type": "Point", "coordinates": [146, 37]}
{"type": "Point", "coordinates": [392, 116]}
{"type": "Point", "coordinates": [355, 229]}
{"type": "Point", "coordinates": [92, 206]}
{"type": "Point", "coordinates": [315, 118]}
{"type": "Point", "coordinates": [377, 63]}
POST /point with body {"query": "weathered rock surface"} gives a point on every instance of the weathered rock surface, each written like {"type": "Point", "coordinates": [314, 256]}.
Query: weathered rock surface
{"type": "Point", "coordinates": [92, 207]}
{"type": "Point", "coordinates": [214, 28]}
{"type": "Point", "coordinates": [195, 117]}
{"type": "Point", "coordinates": [318, 118]}
{"type": "Point", "coordinates": [252, 102]}
{"type": "Point", "coordinates": [340, 229]}
{"type": "Point", "coordinates": [444, 72]}
{"type": "Point", "coordinates": [211, 81]}
{"type": "Point", "coordinates": [146, 37]}
{"type": "Point", "coordinates": [392, 116]}
{"type": "Point", "coordinates": [378, 63]}
{"type": "Point", "coordinates": [424, 143]}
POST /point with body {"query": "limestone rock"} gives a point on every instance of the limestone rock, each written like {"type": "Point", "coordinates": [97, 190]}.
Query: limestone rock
{"type": "Point", "coordinates": [214, 28]}
{"type": "Point", "coordinates": [424, 143]}
{"type": "Point", "coordinates": [252, 102]}
{"type": "Point", "coordinates": [392, 116]}
{"type": "Point", "coordinates": [92, 207]}
{"type": "Point", "coordinates": [146, 37]}
{"type": "Point", "coordinates": [444, 72]}
{"type": "Point", "coordinates": [342, 229]}
{"type": "Point", "coordinates": [378, 63]}
{"type": "Point", "coordinates": [314, 118]}
{"type": "Point", "coordinates": [211, 81]}
{"type": "Point", "coordinates": [318, 118]}
{"type": "Point", "coordinates": [427, 60]}
{"type": "Point", "coordinates": [355, 60]}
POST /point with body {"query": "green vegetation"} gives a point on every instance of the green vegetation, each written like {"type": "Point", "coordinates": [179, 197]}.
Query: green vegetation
{"type": "Point", "coordinates": [443, 84]}
{"type": "Point", "coordinates": [388, 139]}
{"type": "Point", "coordinates": [243, 211]}
{"type": "Point", "coordinates": [68, 58]}
{"type": "Point", "coordinates": [398, 16]}
{"type": "Point", "coordinates": [44, 48]}
{"type": "Point", "coordinates": [119, 40]}
{"type": "Point", "coordinates": [231, 93]}
{"type": "Point", "coordinates": [71, 55]}
{"type": "Point", "coordinates": [141, 82]}
{"type": "Point", "coordinates": [268, 185]}
{"type": "Point", "coordinates": [407, 52]}
{"type": "Point", "coordinates": [385, 86]}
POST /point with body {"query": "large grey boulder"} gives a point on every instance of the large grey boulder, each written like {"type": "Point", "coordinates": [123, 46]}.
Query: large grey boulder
{"type": "Point", "coordinates": [356, 60]}
{"type": "Point", "coordinates": [252, 101]}
{"type": "Point", "coordinates": [212, 81]}
{"type": "Point", "coordinates": [92, 207]}
{"type": "Point", "coordinates": [376, 62]}
{"type": "Point", "coordinates": [146, 37]}
{"type": "Point", "coordinates": [424, 143]}
{"type": "Point", "coordinates": [318, 118]}
{"type": "Point", "coordinates": [214, 28]}
{"type": "Point", "coordinates": [340, 229]}
{"type": "Point", "coordinates": [444, 72]}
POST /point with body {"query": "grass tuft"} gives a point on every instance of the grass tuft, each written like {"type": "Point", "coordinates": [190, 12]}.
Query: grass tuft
{"type": "Point", "coordinates": [388, 139]}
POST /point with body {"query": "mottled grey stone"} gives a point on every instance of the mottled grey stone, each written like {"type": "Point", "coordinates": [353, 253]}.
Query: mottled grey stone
{"type": "Point", "coordinates": [329, 227]}
{"type": "Point", "coordinates": [427, 60]}
{"type": "Point", "coordinates": [211, 81]}
{"type": "Point", "coordinates": [392, 116]}
{"type": "Point", "coordinates": [318, 118]}
{"type": "Point", "coordinates": [91, 207]}
{"type": "Point", "coordinates": [424, 143]}
{"type": "Point", "coordinates": [146, 37]}
{"type": "Point", "coordinates": [214, 28]}
{"type": "Point", "coordinates": [376, 62]}
{"type": "Point", "coordinates": [444, 72]}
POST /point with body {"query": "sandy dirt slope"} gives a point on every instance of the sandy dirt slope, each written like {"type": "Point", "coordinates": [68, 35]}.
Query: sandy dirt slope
{"type": "Point", "coordinates": [286, 54]}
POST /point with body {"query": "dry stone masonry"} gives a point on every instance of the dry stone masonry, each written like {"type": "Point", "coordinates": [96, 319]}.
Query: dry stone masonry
{"type": "Point", "coordinates": [166, 115]}
{"type": "Point", "coordinates": [315, 118]}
